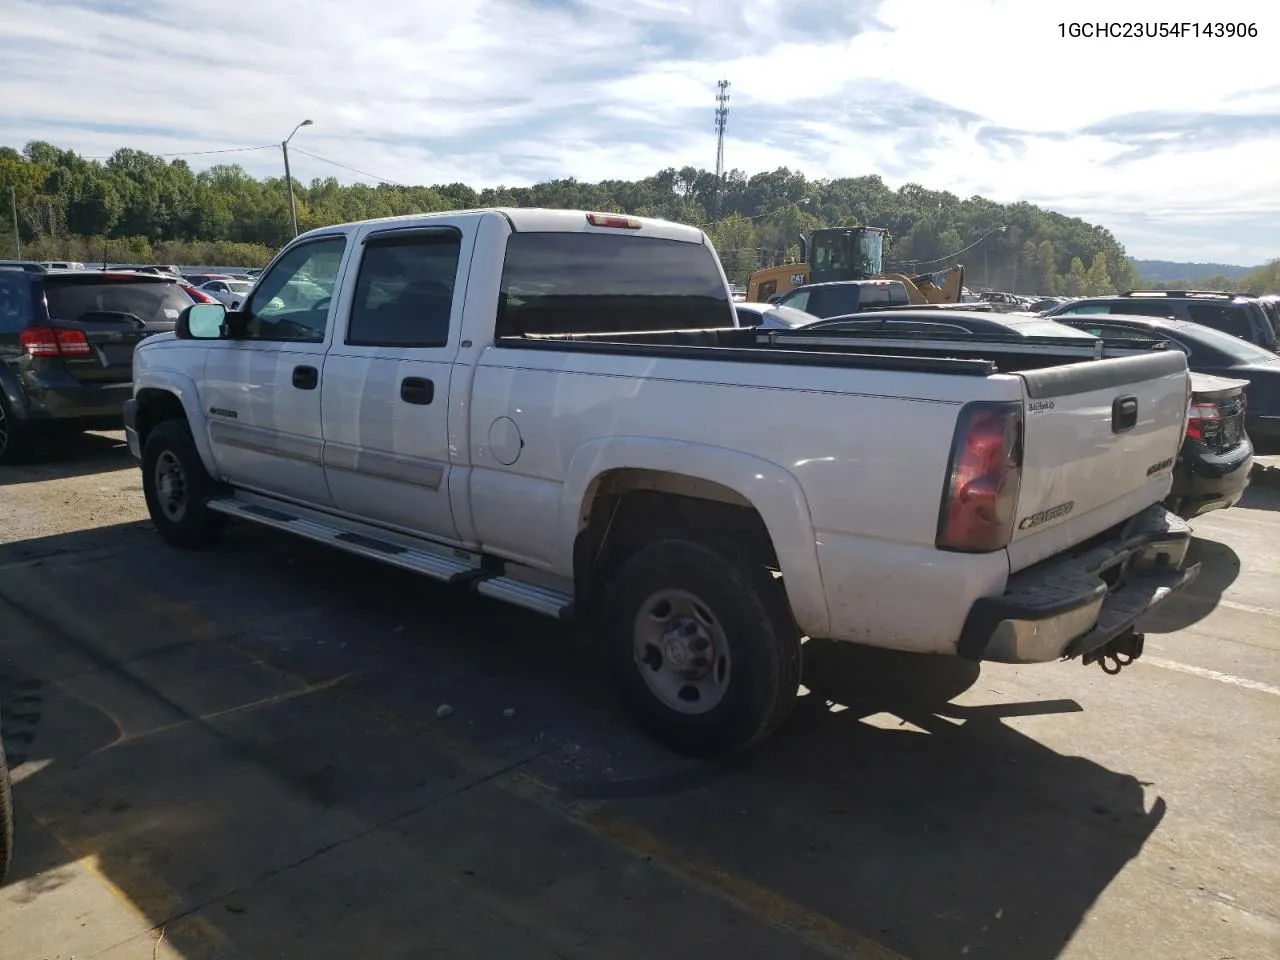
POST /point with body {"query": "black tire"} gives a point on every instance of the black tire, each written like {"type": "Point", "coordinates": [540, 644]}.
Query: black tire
{"type": "Point", "coordinates": [748, 607]}
{"type": "Point", "coordinates": [177, 503]}
{"type": "Point", "coordinates": [15, 445]}
{"type": "Point", "coordinates": [6, 816]}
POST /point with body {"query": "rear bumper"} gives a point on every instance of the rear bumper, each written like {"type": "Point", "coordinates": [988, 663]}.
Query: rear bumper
{"type": "Point", "coordinates": [72, 404]}
{"type": "Point", "coordinates": [1069, 606]}
{"type": "Point", "coordinates": [1204, 481]}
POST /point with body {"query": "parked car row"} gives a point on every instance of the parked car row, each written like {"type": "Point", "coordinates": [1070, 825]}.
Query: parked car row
{"type": "Point", "coordinates": [1233, 313]}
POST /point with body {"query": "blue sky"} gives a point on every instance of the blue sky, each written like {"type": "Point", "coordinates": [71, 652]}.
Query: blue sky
{"type": "Point", "coordinates": [1173, 144]}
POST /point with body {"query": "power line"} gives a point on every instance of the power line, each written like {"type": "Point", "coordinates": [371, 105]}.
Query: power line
{"type": "Point", "coordinates": [758, 216]}
{"type": "Point", "coordinates": [197, 153]}
{"type": "Point", "coordinates": [949, 256]}
{"type": "Point", "coordinates": [363, 173]}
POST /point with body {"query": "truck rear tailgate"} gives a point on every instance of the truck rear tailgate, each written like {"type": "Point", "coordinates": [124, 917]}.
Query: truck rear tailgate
{"type": "Point", "coordinates": [1101, 438]}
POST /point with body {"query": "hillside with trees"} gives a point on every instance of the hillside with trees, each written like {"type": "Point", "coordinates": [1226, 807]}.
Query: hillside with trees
{"type": "Point", "coordinates": [136, 207]}
{"type": "Point", "coordinates": [1169, 271]}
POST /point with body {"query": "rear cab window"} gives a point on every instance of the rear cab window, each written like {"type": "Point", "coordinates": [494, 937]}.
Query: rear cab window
{"type": "Point", "coordinates": [608, 283]}
{"type": "Point", "coordinates": [892, 292]}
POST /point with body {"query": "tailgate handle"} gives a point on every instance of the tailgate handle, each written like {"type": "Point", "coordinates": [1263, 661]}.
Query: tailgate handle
{"type": "Point", "coordinates": [1124, 414]}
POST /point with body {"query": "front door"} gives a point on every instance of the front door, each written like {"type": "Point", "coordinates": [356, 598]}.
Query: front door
{"type": "Point", "coordinates": [261, 390]}
{"type": "Point", "coordinates": [386, 383]}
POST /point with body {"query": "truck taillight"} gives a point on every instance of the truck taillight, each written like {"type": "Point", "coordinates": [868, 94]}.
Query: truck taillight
{"type": "Point", "coordinates": [983, 479]}
{"type": "Point", "coordinates": [54, 342]}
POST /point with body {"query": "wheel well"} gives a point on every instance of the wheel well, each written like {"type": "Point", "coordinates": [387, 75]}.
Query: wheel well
{"type": "Point", "coordinates": [156, 406]}
{"type": "Point", "coordinates": [624, 509]}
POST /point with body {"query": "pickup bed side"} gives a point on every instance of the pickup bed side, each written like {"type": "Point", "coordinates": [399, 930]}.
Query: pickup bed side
{"type": "Point", "coordinates": [853, 548]}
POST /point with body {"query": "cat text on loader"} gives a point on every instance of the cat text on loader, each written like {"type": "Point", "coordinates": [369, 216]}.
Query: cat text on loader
{"type": "Point", "coordinates": [851, 253]}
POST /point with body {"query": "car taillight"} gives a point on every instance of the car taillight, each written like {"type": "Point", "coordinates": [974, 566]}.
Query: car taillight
{"type": "Point", "coordinates": [199, 296]}
{"type": "Point", "coordinates": [983, 479]}
{"type": "Point", "coordinates": [55, 342]}
{"type": "Point", "coordinates": [1203, 421]}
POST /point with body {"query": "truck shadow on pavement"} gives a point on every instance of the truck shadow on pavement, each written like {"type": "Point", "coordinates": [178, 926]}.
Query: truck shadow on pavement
{"type": "Point", "coordinates": [1219, 568]}
{"type": "Point", "coordinates": [248, 741]}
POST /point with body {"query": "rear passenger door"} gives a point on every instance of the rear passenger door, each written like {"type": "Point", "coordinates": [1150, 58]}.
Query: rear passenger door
{"type": "Point", "coordinates": [385, 397]}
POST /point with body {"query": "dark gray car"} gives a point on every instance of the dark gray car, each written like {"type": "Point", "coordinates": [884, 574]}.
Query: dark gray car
{"type": "Point", "coordinates": [66, 347]}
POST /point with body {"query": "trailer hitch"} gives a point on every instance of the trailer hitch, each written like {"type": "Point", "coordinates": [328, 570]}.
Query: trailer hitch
{"type": "Point", "coordinates": [1116, 654]}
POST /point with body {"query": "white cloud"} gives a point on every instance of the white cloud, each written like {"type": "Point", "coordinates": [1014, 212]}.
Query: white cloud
{"type": "Point", "coordinates": [973, 96]}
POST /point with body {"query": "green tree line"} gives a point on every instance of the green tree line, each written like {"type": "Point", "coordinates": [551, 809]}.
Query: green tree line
{"type": "Point", "coordinates": [1265, 279]}
{"type": "Point", "coordinates": [136, 206]}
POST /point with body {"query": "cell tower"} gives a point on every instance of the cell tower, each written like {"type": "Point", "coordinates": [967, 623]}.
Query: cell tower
{"type": "Point", "coordinates": [722, 119]}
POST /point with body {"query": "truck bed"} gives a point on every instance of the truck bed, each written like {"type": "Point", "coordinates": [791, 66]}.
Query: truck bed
{"type": "Point", "coordinates": [971, 355]}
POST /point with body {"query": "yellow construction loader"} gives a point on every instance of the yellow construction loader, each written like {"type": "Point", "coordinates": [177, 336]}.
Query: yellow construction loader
{"type": "Point", "coordinates": [851, 253]}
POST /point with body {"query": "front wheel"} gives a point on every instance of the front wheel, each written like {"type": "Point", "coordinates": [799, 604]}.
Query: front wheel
{"type": "Point", "coordinates": [703, 649]}
{"type": "Point", "coordinates": [176, 486]}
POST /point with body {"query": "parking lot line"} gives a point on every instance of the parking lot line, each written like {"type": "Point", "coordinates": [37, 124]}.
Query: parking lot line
{"type": "Point", "coordinates": [818, 932]}
{"type": "Point", "coordinates": [1211, 675]}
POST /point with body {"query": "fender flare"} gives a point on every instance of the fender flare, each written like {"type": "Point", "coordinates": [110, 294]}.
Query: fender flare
{"type": "Point", "coordinates": [184, 388]}
{"type": "Point", "coordinates": [773, 491]}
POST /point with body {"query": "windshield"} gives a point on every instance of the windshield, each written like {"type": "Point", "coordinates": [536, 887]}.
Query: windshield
{"type": "Point", "coordinates": [854, 254]}
{"type": "Point", "coordinates": [1048, 328]}
{"type": "Point", "coordinates": [786, 317]}
{"type": "Point", "coordinates": [1239, 350]}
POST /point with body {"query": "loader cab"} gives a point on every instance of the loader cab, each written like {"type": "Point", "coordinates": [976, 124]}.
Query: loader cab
{"type": "Point", "coordinates": [845, 253]}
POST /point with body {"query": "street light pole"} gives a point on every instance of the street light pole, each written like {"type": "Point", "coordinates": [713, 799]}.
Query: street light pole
{"type": "Point", "coordinates": [284, 147]}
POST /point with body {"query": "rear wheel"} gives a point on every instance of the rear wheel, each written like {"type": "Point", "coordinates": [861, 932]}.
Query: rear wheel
{"type": "Point", "coordinates": [176, 487]}
{"type": "Point", "coordinates": [14, 445]}
{"type": "Point", "coordinates": [703, 649]}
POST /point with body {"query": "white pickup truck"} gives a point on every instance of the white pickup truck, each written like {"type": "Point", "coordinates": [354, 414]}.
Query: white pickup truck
{"type": "Point", "coordinates": [556, 409]}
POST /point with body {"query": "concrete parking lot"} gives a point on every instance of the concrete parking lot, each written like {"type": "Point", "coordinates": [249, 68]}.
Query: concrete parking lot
{"type": "Point", "coordinates": [238, 754]}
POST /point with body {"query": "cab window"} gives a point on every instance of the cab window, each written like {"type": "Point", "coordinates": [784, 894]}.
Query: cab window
{"type": "Point", "coordinates": [292, 300]}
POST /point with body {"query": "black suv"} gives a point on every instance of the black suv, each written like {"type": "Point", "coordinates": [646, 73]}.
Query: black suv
{"type": "Point", "coordinates": [66, 347]}
{"type": "Point", "coordinates": [1232, 313]}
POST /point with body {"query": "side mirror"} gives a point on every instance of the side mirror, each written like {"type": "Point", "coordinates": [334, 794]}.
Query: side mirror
{"type": "Point", "coordinates": [201, 321]}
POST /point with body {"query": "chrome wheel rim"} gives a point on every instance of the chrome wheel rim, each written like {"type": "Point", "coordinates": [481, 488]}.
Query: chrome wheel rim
{"type": "Point", "coordinates": [682, 652]}
{"type": "Point", "coordinates": [171, 486]}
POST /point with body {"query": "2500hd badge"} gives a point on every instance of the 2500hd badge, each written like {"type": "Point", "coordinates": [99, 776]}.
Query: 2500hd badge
{"type": "Point", "coordinates": [1044, 516]}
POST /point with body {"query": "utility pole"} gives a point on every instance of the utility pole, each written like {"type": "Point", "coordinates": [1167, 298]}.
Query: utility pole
{"type": "Point", "coordinates": [722, 119]}
{"type": "Point", "coordinates": [284, 147]}
{"type": "Point", "coordinates": [17, 237]}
